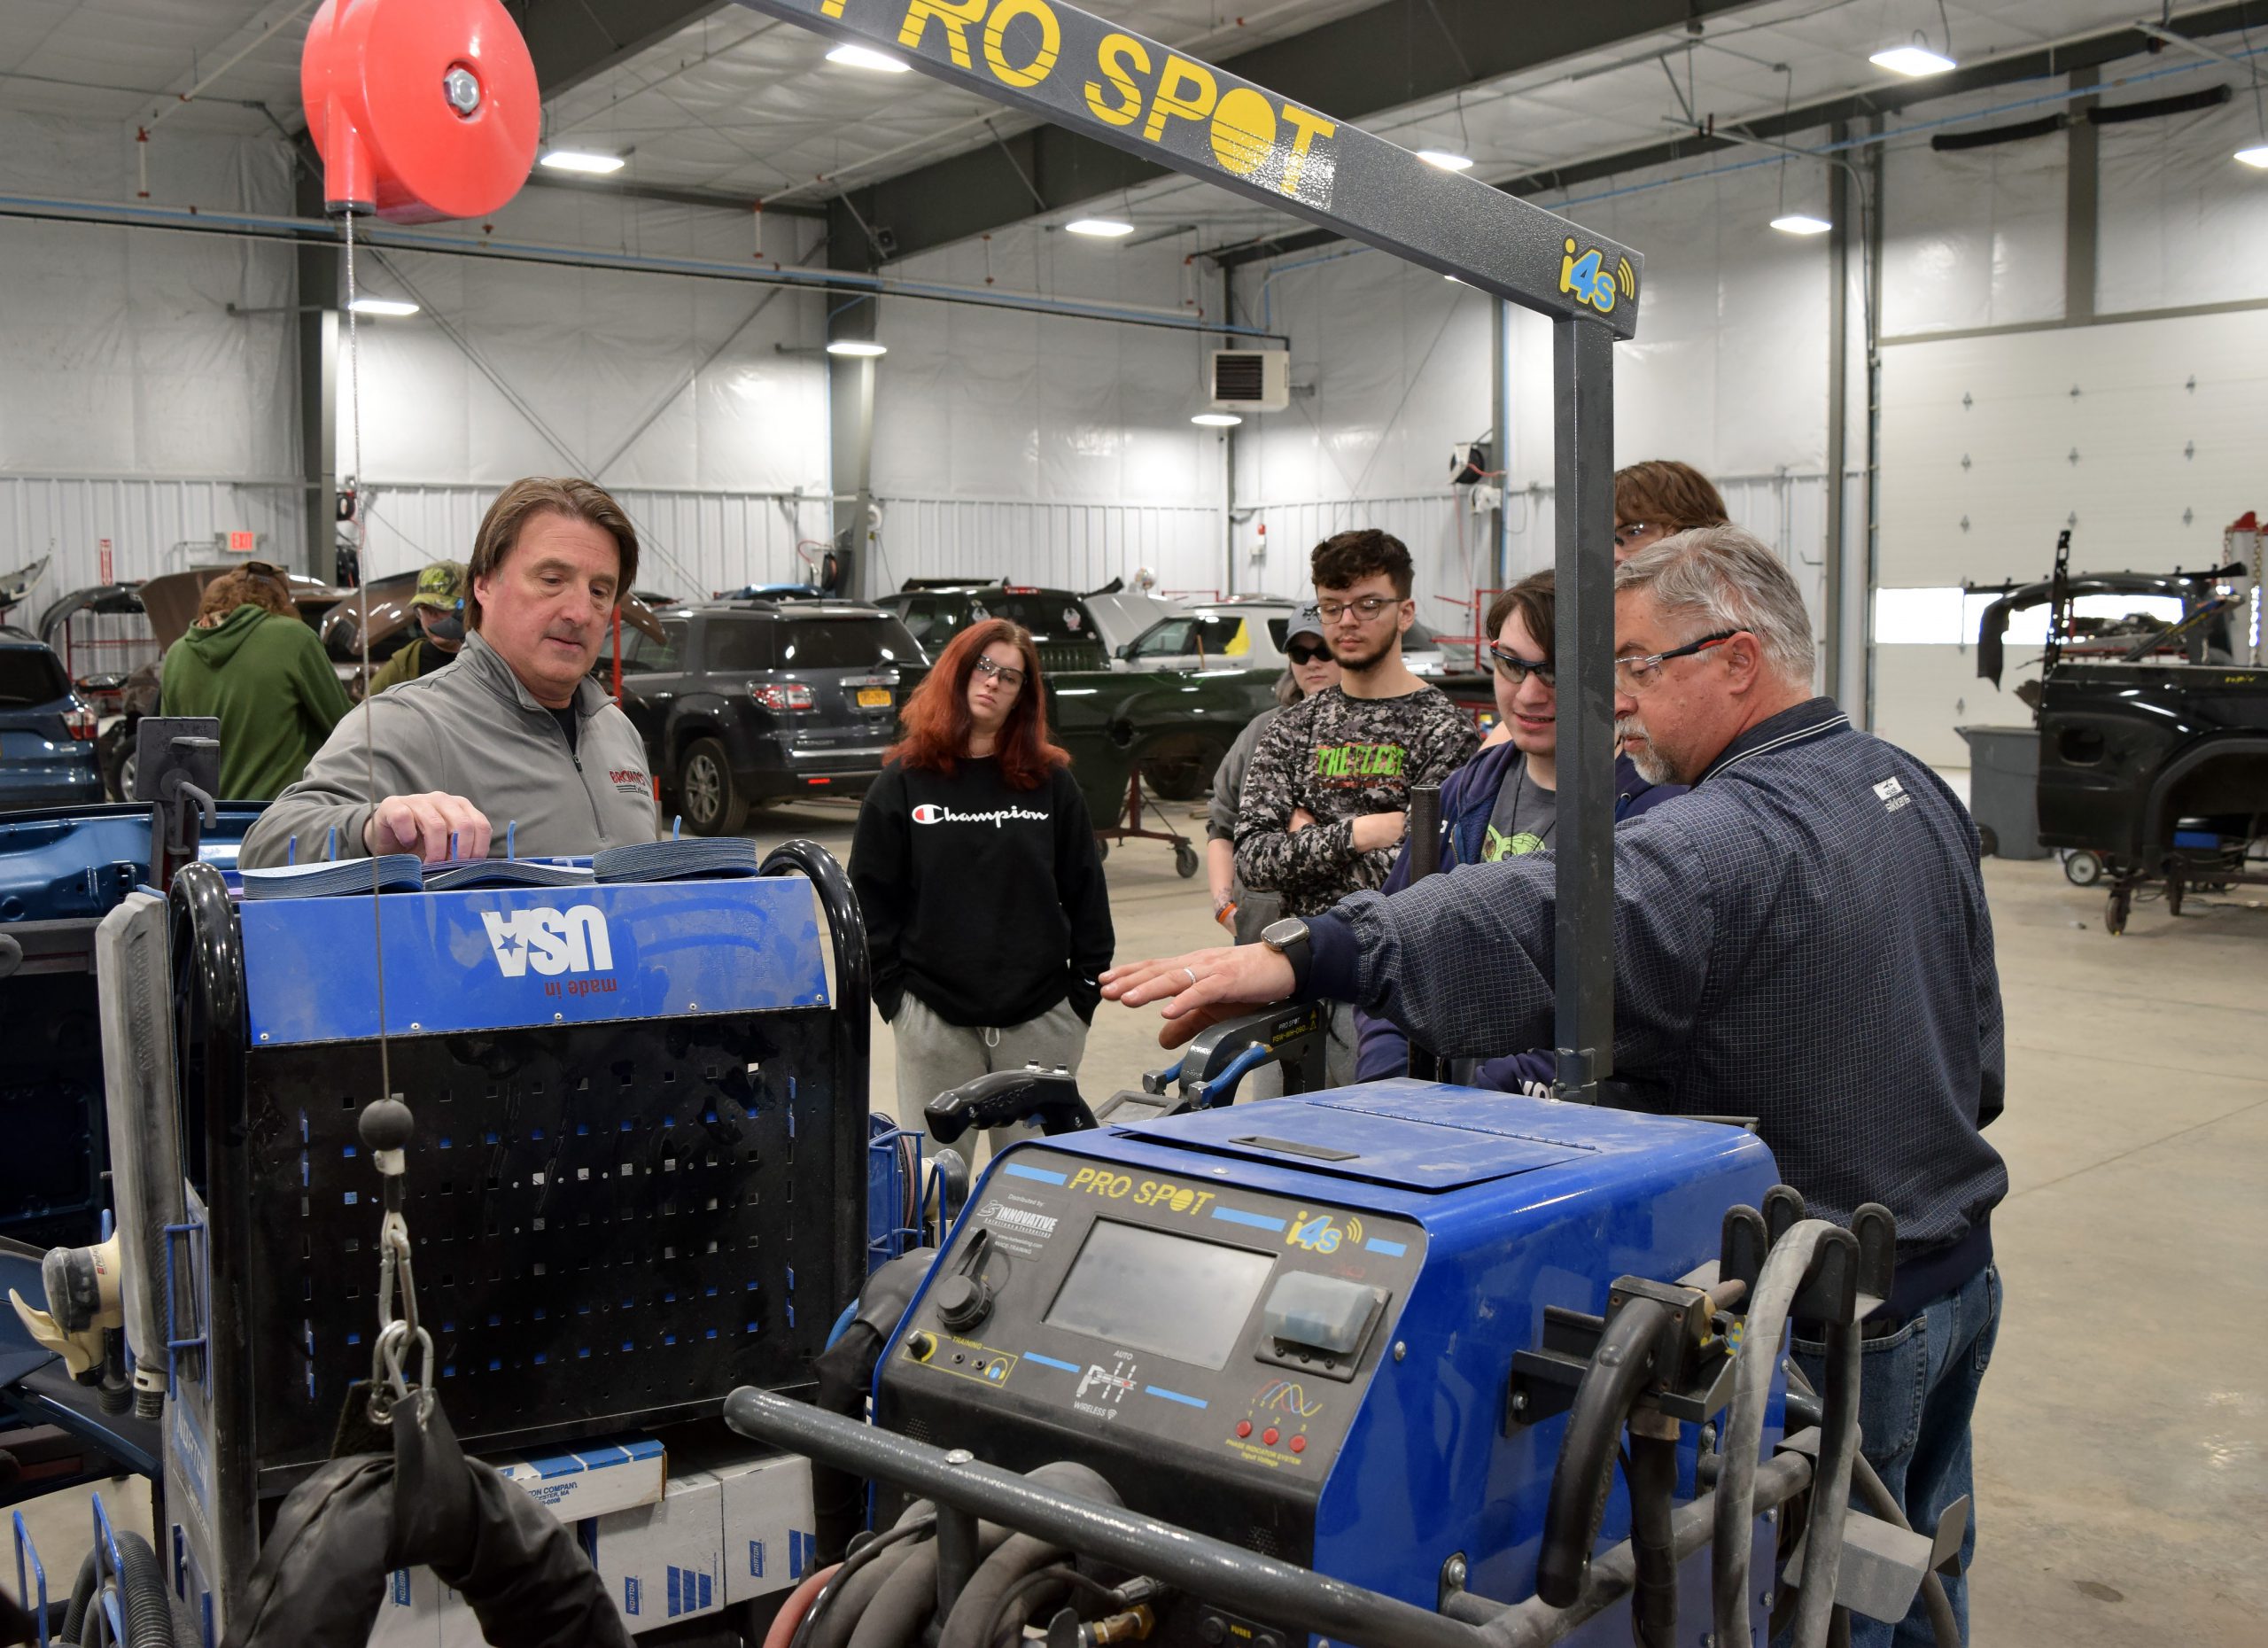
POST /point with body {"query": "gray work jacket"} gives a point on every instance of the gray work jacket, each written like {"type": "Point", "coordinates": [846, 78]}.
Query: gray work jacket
{"type": "Point", "coordinates": [471, 729]}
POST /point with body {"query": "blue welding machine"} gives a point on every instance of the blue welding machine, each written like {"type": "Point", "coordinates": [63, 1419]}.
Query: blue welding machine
{"type": "Point", "coordinates": [1289, 1326]}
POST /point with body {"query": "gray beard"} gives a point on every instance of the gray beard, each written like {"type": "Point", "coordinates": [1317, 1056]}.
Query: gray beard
{"type": "Point", "coordinates": [1649, 762]}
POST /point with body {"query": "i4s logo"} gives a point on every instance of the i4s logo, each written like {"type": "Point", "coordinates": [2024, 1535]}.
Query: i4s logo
{"type": "Point", "coordinates": [552, 942]}
{"type": "Point", "coordinates": [1590, 281]}
{"type": "Point", "coordinates": [1321, 1233]}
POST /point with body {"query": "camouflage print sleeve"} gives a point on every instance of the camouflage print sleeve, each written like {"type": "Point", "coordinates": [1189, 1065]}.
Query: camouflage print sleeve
{"type": "Point", "coordinates": [1303, 865]}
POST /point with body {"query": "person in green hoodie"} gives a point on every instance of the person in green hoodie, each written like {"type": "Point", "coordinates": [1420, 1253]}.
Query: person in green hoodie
{"type": "Point", "coordinates": [250, 660]}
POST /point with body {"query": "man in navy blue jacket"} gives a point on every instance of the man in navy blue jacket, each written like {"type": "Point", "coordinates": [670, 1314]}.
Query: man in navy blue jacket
{"type": "Point", "coordinates": [1802, 938]}
{"type": "Point", "coordinates": [1503, 803]}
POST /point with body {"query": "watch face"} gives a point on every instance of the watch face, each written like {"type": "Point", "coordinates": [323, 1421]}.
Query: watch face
{"type": "Point", "coordinates": [1290, 931]}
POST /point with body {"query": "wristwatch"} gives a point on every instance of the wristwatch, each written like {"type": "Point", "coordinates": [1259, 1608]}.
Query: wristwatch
{"type": "Point", "coordinates": [1288, 938]}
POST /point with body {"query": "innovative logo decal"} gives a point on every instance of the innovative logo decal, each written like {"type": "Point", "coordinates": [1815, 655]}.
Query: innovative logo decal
{"type": "Point", "coordinates": [553, 942]}
{"type": "Point", "coordinates": [931, 813]}
{"type": "Point", "coordinates": [1017, 1219]}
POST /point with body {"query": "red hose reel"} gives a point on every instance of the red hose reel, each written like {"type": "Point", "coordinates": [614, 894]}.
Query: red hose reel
{"type": "Point", "coordinates": [422, 109]}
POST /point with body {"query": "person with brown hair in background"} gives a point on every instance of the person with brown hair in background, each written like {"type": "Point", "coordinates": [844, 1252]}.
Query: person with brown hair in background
{"type": "Point", "coordinates": [1660, 497]}
{"type": "Point", "coordinates": [249, 659]}
{"type": "Point", "coordinates": [988, 919]}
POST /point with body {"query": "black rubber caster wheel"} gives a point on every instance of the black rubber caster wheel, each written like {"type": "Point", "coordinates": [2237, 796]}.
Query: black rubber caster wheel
{"type": "Point", "coordinates": [1185, 860]}
{"type": "Point", "coordinates": [2116, 909]}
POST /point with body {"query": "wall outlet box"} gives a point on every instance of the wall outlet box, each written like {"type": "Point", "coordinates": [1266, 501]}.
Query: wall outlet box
{"type": "Point", "coordinates": [587, 1479]}
{"type": "Point", "coordinates": [662, 1563]}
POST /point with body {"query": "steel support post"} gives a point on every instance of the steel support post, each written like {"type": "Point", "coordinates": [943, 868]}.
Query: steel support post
{"type": "Point", "coordinates": [1582, 378]}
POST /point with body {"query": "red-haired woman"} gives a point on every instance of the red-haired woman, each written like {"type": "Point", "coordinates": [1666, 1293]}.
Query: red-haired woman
{"type": "Point", "coordinates": [974, 862]}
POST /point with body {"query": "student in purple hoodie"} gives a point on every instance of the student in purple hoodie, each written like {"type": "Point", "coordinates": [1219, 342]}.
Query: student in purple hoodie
{"type": "Point", "coordinates": [1504, 803]}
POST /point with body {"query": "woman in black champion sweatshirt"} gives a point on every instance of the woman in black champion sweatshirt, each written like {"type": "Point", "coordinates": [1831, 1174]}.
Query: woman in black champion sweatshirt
{"type": "Point", "coordinates": [974, 862]}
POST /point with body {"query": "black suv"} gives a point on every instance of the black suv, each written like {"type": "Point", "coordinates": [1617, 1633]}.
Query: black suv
{"type": "Point", "coordinates": [747, 702]}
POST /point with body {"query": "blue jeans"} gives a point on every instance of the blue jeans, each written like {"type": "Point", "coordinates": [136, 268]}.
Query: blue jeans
{"type": "Point", "coordinates": [1917, 1389]}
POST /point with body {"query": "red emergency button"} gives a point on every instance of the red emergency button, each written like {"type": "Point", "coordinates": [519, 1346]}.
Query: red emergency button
{"type": "Point", "coordinates": [1299, 1444]}
{"type": "Point", "coordinates": [1268, 1436]}
{"type": "Point", "coordinates": [1244, 1428]}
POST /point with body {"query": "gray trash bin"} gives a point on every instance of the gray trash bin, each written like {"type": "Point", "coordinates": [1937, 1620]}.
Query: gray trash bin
{"type": "Point", "coordinates": [2004, 789]}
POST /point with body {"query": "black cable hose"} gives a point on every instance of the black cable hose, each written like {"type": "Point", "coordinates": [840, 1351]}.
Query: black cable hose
{"type": "Point", "coordinates": [1013, 1611]}
{"type": "Point", "coordinates": [1620, 1367]}
{"type": "Point", "coordinates": [1651, 1471]}
{"type": "Point", "coordinates": [834, 1599]}
{"type": "Point", "coordinates": [977, 1612]}
{"type": "Point", "coordinates": [83, 1595]}
{"type": "Point", "coordinates": [143, 1594]}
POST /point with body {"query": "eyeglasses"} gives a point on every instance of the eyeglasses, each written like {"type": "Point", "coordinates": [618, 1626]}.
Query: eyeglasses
{"type": "Point", "coordinates": [1629, 533]}
{"type": "Point", "coordinates": [1307, 655]}
{"type": "Point", "coordinates": [1009, 678]}
{"type": "Point", "coordinates": [1635, 675]}
{"type": "Point", "coordinates": [1515, 669]}
{"type": "Point", "coordinates": [1368, 608]}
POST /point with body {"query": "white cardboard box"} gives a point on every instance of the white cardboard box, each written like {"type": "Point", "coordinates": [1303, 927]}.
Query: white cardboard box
{"type": "Point", "coordinates": [409, 1616]}
{"type": "Point", "coordinates": [588, 1479]}
{"type": "Point", "coordinates": [664, 1562]}
{"type": "Point", "coordinates": [770, 1538]}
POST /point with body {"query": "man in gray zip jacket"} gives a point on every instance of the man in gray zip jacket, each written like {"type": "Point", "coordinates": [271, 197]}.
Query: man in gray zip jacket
{"type": "Point", "coordinates": [514, 742]}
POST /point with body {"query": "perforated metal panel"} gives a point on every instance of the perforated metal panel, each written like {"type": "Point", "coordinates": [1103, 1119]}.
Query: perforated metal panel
{"type": "Point", "coordinates": [614, 1223]}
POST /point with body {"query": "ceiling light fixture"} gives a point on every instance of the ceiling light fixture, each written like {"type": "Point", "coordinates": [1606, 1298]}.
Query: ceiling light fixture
{"type": "Point", "coordinates": [1100, 228]}
{"type": "Point", "coordinates": [1446, 160]}
{"type": "Point", "coordinates": [383, 306]}
{"type": "Point", "coordinates": [1915, 61]}
{"type": "Point", "coordinates": [856, 348]}
{"type": "Point", "coordinates": [2258, 155]}
{"type": "Point", "coordinates": [862, 57]}
{"type": "Point", "coordinates": [1217, 420]}
{"type": "Point", "coordinates": [582, 160]}
{"type": "Point", "coordinates": [1800, 223]}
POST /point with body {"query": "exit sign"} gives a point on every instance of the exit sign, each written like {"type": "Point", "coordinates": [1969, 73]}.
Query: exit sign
{"type": "Point", "coordinates": [243, 543]}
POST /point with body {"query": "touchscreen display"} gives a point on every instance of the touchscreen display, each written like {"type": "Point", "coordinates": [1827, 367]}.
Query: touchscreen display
{"type": "Point", "coordinates": [1142, 1287]}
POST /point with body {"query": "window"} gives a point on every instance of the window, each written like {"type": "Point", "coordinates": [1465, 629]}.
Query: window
{"type": "Point", "coordinates": [1949, 617]}
{"type": "Point", "coordinates": [733, 644]}
{"type": "Point", "coordinates": [29, 675]}
{"type": "Point", "coordinates": [933, 620]}
{"type": "Point", "coordinates": [1221, 635]}
{"type": "Point", "coordinates": [643, 654]}
{"type": "Point", "coordinates": [1169, 639]}
{"type": "Point", "coordinates": [855, 643]}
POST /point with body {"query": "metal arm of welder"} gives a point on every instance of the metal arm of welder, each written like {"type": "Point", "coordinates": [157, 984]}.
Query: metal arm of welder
{"type": "Point", "coordinates": [1006, 1097]}
{"type": "Point", "coordinates": [1223, 1056]}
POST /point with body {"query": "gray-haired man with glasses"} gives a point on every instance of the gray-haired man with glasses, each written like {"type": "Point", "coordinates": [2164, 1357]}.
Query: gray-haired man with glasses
{"type": "Point", "coordinates": [1802, 938]}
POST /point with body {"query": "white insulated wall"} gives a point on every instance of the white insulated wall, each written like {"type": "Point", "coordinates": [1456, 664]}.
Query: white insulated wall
{"type": "Point", "coordinates": [133, 405]}
{"type": "Point", "coordinates": [2142, 435]}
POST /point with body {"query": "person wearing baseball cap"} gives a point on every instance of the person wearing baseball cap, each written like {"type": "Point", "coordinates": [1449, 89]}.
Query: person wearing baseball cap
{"type": "Point", "coordinates": [439, 606]}
{"type": "Point", "coordinates": [1237, 907]}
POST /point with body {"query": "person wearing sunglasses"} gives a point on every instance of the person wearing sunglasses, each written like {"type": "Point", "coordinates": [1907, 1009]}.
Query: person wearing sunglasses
{"type": "Point", "coordinates": [1504, 803]}
{"type": "Point", "coordinates": [988, 919]}
{"type": "Point", "coordinates": [1237, 907]}
{"type": "Point", "coordinates": [1327, 795]}
{"type": "Point", "coordinates": [1660, 497]}
{"type": "Point", "coordinates": [1802, 939]}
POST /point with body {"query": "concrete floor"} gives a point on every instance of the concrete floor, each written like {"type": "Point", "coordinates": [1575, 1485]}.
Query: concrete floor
{"type": "Point", "coordinates": [2123, 1433]}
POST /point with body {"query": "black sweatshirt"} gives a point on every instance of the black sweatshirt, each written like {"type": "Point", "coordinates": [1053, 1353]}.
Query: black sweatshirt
{"type": "Point", "coordinates": [986, 902]}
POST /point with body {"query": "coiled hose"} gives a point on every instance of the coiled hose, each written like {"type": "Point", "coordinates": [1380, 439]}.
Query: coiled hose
{"type": "Point", "coordinates": [976, 1615]}
{"type": "Point", "coordinates": [1733, 1534]}
{"type": "Point", "coordinates": [143, 1601]}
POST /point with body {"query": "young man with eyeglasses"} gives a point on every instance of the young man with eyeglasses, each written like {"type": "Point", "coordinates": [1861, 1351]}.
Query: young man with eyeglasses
{"type": "Point", "coordinates": [1660, 497]}
{"type": "Point", "coordinates": [1327, 796]}
{"type": "Point", "coordinates": [1803, 939]}
{"type": "Point", "coordinates": [1504, 803]}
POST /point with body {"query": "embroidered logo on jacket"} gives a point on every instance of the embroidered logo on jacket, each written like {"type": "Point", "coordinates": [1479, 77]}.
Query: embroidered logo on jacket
{"type": "Point", "coordinates": [629, 780]}
{"type": "Point", "coordinates": [1892, 795]}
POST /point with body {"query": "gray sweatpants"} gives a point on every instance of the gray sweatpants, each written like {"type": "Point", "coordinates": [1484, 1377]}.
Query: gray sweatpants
{"type": "Point", "coordinates": [934, 1056]}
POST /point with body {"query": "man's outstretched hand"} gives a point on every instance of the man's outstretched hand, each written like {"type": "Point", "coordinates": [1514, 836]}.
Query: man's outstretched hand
{"type": "Point", "coordinates": [1202, 988]}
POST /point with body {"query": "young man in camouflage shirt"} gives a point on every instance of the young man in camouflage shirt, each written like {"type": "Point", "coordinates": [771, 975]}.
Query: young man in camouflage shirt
{"type": "Point", "coordinates": [1327, 793]}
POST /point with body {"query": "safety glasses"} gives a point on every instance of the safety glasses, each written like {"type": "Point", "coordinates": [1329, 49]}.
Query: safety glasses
{"type": "Point", "coordinates": [1635, 675]}
{"type": "Point", "coordinates": [1515, 669]}
{"type": "Point", "coordinates": [1009, 678]}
